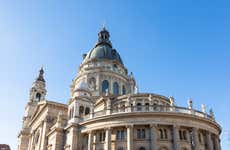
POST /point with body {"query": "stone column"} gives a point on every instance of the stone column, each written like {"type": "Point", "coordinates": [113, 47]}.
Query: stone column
{"type": "Point", "coordinates": [130, 137]}
{"type": "Point", "coordinates": [218, 143]}
{"type": "Point", "coordinates": [90, 140]}
{"type": "Point", "coordinates": [176, 138]}
{"type": "Point", "coordinates": [153, 137]}
{"type": "Point", "coordinates": [31, 140]}
{"type": "Point", "coordinates": [209, 141]}
{"type": "Point", "coordinates": [45, 130]}
{"type": "Point", "coordinates": [195, 138]}
{"type": "Point", "coordinates": [107, 139]}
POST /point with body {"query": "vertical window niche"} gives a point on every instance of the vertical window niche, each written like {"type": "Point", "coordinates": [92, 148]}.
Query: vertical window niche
{"type": "Point", "coordinates": [105, 86]}
{"type": "Point", "coordinates": [115, 88]}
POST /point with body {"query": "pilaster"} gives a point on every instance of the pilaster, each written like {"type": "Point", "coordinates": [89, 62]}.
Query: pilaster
{"type": "Point", "coordinates": [130, 137]}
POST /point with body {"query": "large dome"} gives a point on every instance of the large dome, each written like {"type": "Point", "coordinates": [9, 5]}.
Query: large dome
{"type": "Point", "coordinates": [103, 49]}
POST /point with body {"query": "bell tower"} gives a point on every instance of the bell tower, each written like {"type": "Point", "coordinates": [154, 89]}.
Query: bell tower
{"type": "Point", "coordinates": [38, 90]}
{"type": "Point", "coordinates": [37, 94]}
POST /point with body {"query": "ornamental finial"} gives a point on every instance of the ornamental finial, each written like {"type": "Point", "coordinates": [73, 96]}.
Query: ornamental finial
{"type": "Point", "coordinates": [41, 75]}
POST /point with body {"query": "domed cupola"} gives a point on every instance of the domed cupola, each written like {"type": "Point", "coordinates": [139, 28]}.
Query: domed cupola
{"type": "Point", "coordinates": [82, 89]}
{"type": "Point", "coordinates": [103, 49]}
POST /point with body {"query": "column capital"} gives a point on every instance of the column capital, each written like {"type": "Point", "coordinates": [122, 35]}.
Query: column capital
{"type": "Point", "coordinates": [176, 126]}
{"type": "Point", "coordinates": [129, 126]}
{"type": "Point", "coordinates": [153, 125]}
{"type": "Point", "coordinates": [195, 129]}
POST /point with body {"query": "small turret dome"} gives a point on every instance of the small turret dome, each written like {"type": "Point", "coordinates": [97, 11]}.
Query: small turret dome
{"type": "Point", "coordinates": [82, 85]}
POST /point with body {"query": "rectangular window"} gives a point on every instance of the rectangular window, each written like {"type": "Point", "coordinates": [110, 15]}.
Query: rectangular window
{"type": "Point", "coordinates": [143, 134]}
{"type": "Point", "coordinates": [139, 133]}
{"type": "Point", "coordinates": [120, 135]}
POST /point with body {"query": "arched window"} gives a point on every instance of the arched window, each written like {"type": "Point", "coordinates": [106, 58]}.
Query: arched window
{"type": "Point", "coordinates": [115, 88]}
{"type": "Point", "coordinates": [105, 86]}
{"type": "Point", "coordinates": [38, 97]}
{"type": "Point", "coordinates": [81, 110]}
{"type": "Point", "coordinates": [87, 110]}
{"type": "Point", "coordinates": [161, 134]}
{"type": "Point", "coordinates": [138, 106]}
{"type": "Point", "coordinates": [123, 90]}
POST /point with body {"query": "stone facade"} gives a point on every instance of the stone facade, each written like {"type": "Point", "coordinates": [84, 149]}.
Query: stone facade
{"type": "Point", "coordinates": [107, 112]}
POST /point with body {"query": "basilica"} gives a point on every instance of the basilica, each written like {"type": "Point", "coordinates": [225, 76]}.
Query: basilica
{"type": "Point", "coordinates": [106, 111]}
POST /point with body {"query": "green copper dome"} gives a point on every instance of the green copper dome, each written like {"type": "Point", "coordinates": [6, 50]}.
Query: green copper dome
{"type": "Point", "coordinates": [103, 49]}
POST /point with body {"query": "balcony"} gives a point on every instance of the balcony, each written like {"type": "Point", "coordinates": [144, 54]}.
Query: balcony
{"type": "Point", "coordinates": [146, 109]}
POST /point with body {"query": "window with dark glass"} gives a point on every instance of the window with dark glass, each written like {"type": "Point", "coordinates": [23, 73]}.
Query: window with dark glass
{"type": "Point", "coordinates": [87, 110]}
{"type": "Point", "coordinates": [115, 88]}
{"type": "Point", "coordinates": [120, 135]}
{"type": "Point", "coordinates": [140, 133]}
{"type": "Point", "coordinates": [143, 133]}
{"type": "Point", "coordinates": [105, 86]}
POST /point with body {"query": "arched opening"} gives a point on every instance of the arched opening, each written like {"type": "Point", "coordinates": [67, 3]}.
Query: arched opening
{"type": "Point", "coordinates": [105, 86]}
{"type": "Point", "coordinates": [115, 88]}
{"type": "Point", "coordinates": [38, 97]}
{"type": "Point", "coordinates": [138, 106]}
{"type": "Point", "coordinates": [81, 110]}
{"type": "Point", "coordinates": [141, 148]}
{"type": "Point", "coordinates": [87, 110]}
{"type": "Point", "coordinates": [123, 90]}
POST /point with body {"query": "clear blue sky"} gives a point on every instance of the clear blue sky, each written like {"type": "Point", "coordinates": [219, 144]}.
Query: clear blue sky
{"type": "Point", "coordinates": [179, 48]}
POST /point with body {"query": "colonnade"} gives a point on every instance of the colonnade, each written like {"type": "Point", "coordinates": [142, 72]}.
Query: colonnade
{"type": "Point", "coordinates": [154, 141]}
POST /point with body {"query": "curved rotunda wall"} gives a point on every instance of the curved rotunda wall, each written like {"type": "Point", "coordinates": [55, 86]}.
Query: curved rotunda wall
{"type": "Point", "coordinates": [163, 127]}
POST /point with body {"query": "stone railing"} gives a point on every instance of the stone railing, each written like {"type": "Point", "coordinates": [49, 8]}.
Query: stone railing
{"type": "Point", "coordinates": [148, 108]}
